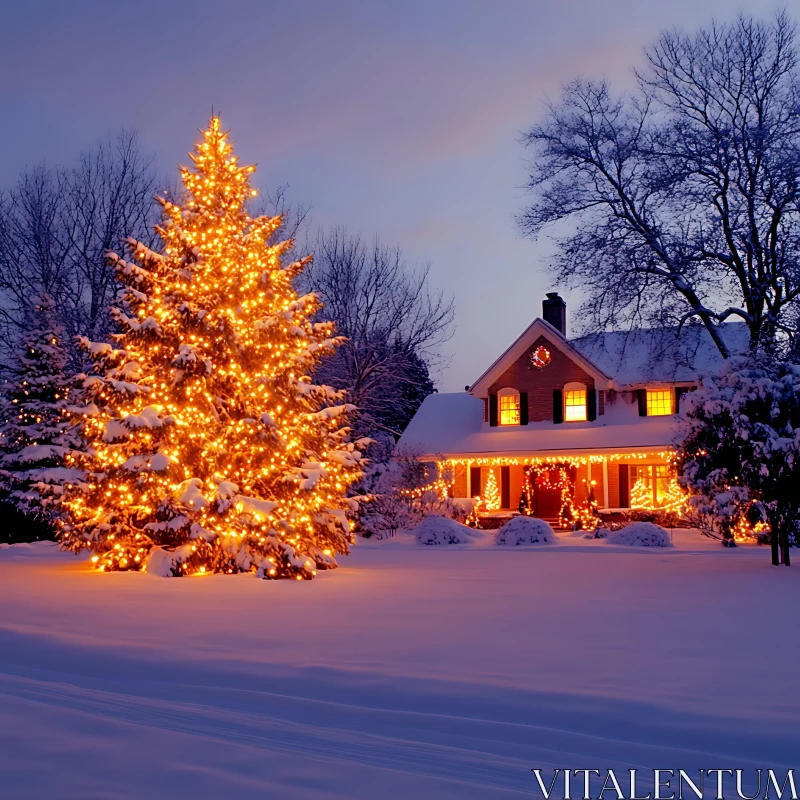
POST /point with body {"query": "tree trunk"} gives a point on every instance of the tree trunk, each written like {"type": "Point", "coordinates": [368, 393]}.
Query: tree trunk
{"type": "Point", "coordinates": [773, 539]}
{"type": "Point", "coordinates": [785, 545]}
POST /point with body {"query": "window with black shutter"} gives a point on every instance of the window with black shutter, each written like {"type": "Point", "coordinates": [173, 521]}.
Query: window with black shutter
{"type": "Point", "coordinates": [523, 408]}
{"type": "Point", "coordinates": [624, 492]}
{"type": "Point", "coordinates": [474, 481]}
{"type": "Point", "coordinates": [680, 391]}
{"type": "Point", "coordinates": [591, 405]}
{"type": "Point", "coordinates": [493, 410]}
{"type": "Point", "coordinates": [558, 408]}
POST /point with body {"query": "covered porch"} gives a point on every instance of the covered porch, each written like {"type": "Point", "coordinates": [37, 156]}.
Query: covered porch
{"type": "Point", "coordinates": [543, 486]}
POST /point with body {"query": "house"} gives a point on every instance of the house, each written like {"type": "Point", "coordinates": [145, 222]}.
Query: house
{"type": "Point", "coordinates": [554, 420]}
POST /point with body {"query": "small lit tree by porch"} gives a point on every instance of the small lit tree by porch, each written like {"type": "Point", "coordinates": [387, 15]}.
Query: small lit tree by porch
{"type": "Point", "coordinates": [491, 494]}
{"type": "Point", "coordinates": [641, 495]}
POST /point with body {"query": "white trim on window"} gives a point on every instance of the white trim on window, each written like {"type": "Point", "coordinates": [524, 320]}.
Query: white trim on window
{"type": "Point", "coordinates": [575, 402]}
{"type": "Point", "coordinates": [660, 402]}
{"type": "Point", "coordinates": [508, 407]}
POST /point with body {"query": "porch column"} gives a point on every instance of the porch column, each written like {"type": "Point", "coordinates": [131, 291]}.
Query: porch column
{"type": "Point", "coordinates": [469, 478]}
{"type": "Point", "coordinates": [605, 482]}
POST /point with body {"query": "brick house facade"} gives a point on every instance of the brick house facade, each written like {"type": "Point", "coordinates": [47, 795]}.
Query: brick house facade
{"type": "Point", "coordinates": [602, 408]}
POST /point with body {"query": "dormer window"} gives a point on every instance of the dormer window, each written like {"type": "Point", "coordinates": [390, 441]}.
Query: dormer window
{"type": "Point", "coordinates": [508, 400]}
{"type": "Point", "coordinates": [659, 402]}
{"type": "Point", "coordinates": [575, 402]}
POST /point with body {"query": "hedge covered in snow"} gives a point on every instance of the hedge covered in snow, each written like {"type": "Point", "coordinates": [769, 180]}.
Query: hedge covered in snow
{"type": "Point", "coordinates": [526, 530]}
{"type": "Point", "coordinates": [641, 534]}
{"type": "Point", "coordinates": [441, 530]}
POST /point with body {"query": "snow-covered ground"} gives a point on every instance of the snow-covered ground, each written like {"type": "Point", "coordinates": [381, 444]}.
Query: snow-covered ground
{"type": "Point", "coordinates": [412, 671]}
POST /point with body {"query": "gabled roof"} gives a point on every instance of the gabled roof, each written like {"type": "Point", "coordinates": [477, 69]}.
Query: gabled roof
{"type": "Point", "coordinates": [652, 355]}
{"type": "Point", "coordinates": [537, 328]}
{"type": "Point", "coordinates": [637, 357]}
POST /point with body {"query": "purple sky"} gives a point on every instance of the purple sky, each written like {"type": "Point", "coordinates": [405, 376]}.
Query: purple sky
{"type": "Point", "coordinates": [391, 117]}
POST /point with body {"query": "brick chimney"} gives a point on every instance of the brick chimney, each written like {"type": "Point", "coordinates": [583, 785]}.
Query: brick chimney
{"type": "Point", "coordinates": [554, 311]}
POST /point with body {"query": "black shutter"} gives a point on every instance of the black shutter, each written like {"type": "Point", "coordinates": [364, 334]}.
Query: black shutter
{"type": "Point", "coordinates": [474, 481]}
{"type": "Point", "coordinates": [505, 487]}
{"type": "Point", "coordinates": [523, 408]}
{"type": "Point", "coordinates": [493, 410]}
{"type": "Point", "coordinates": [558, 408]}
{"type": "Point", "coordinates": [680, 391]}
{"type": "Point", "coordinates": [624, 495]}
{"type": "Point", "coordinates": [641, 396]}
{"type": "Point", "coordinates": [591, 405]}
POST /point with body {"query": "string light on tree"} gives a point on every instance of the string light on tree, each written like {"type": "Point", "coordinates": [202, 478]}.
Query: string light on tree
{"type": "Point", "coordinates": [641, 495]}
{"type": "Point", "coordinates": [491, 495]}
{"type": "Point", "coordinates": [36, 435]}
{"type": "Point", "coordinates": [675, 498]}
{"type": "Point", "coordinates": [213, 450]}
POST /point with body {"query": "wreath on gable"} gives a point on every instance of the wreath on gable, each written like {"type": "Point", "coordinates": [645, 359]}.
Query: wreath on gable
{"type": "Point", "coordinates": [540, 357]}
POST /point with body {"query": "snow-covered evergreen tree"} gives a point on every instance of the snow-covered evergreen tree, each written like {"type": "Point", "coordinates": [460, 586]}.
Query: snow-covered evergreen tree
{"type": "Point", "coordinates": [741, 445]}
{"type": "Point", "coordinates": [37, 435]}
{"type": "Point", "coordinates": [213, 450]}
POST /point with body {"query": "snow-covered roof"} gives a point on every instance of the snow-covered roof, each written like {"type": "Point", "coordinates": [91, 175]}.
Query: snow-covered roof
{"type": "Point", "coordinates": [452, 425]}
{"type": "Point", "coordinates": [648, 355]}
{"type": "Point", "coordinates": [537, 328]}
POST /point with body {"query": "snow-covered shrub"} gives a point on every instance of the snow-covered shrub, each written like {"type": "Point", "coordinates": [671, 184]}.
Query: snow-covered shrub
{"type": "Point", "coordinates": [641, 534]}
{"type": "Point", "coordinates": [740, 446]}
{"type": "Point", "coordinates": [526, 530]}
{"type": "Point", "coordinates": [400, 493]}
{"type": "Point", "coordinates": [441, 530]}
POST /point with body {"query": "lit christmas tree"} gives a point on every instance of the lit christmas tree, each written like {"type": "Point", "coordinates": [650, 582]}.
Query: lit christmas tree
{"type": "Point", "coordinates": [213, 449]}
{"type": "Point", "coordinates": [491, 495]}
{"type": "Point", "coordinates": [641, 495]}
{"type": "Point", "coordinates": [675, 498]}
{"type": "Point", "coordinates": [37, 435]}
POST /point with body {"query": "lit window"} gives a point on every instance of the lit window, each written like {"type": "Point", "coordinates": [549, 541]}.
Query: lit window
{"type": "Point", "coordinates": [649, 484]}
{"type": "Point", "coordinates": [509, 406]}
{"type": "Point", "coordinates": [661, 482]}
{"type": "Point", "coordinates": [659, 402]}
{"type": "Point", "coordinates": [574, 402]}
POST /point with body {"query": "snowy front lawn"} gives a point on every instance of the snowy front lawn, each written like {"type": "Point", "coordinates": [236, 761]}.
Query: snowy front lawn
{"type": "Point", "coordinates": [411, 671]}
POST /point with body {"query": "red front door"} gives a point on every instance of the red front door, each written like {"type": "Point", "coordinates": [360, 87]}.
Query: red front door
{"type": "Point", "coordinates": [549, 485]}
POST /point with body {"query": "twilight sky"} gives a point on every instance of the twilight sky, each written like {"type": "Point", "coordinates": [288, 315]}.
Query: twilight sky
{"type": "Point", "coordinates": [392, 117]}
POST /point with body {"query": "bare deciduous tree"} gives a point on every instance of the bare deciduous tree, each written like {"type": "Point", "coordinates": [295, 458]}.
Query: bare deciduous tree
{"type": "Point", "coordinates": [394, 323]}
{"type": "Point", "coordinates": [108, 196]}
{"type": "Point", "coordinates": [56, 225]}
{"type": "Point", "coordinates": [682, 200]}
{"type": "Point", "coordinates": [33, 246]}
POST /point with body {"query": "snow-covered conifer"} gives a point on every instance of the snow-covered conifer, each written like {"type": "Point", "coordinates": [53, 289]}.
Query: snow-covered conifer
{"type": "Point", "coordinates": [213, 449]}
{"type": "Point", "coordinates": [37, 436]}
{"type": "Point", "coordinates": [741, 445]}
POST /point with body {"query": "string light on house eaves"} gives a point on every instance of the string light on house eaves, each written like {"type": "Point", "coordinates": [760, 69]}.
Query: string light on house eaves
{"type": "Point", "coordinates": [557, 460]}
{"type": "Point", "coordinates": [213, 450]}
